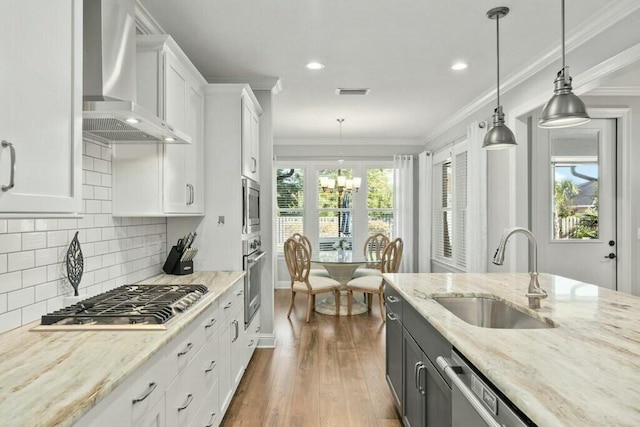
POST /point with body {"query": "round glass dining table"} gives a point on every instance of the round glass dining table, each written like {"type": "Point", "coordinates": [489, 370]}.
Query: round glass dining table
{"type": "Point", "coordinates": [341, 265]}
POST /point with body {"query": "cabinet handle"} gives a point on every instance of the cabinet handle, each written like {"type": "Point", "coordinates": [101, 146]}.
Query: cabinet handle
{"type": "Point", "coordinates": [240, 292]}
{"type": "Point", "coordinates": [255, 165]}
{"type": "Point", "coordinates": [235, 325]}
{"type": "Point", "coordinates": [258, 329]}
{"type": "Point", "coordinates": [210, 324]}
{"type": "Point", "coordinates": [421, 389]}
{"type": "Point", "coordinates": [211, 420]}
{"type": "Point", "coordinates": [415, 374]}
{"type": "Point", "coordinates": [193, 194]}
{"type": "Point", "coordinates": [186, 403]}
{"type": "Point", "coordinates": [250, 343]}
{"type": "Point", "coordinates": [12, 150]}
{"type": "Point", "coordinates": [391, 316]}
{"type": "Point", "coordinates": [391, 298]}
{"type": "Point", "coordinates": [229, 304]}
{"type": "Point", "coordinates": [211, 367]}
{"type": "Point", "coordinates": [186, 350]}
{"type": "Point", "coordinates": [152, 386]}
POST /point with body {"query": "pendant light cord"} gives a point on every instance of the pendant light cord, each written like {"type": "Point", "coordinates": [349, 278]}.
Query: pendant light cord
{"type": "Point", "coordinates": [498, 57]}
{"type": "Point", "coordinates": [562, 35]}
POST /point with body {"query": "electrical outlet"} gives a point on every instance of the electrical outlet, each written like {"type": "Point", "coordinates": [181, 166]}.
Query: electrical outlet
{"type": "Point", "coordinates": [221, 221]}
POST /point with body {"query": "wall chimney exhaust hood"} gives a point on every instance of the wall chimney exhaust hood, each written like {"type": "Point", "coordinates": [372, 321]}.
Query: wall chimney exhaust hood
{"type": "Point", "coordinates": [110, 113]}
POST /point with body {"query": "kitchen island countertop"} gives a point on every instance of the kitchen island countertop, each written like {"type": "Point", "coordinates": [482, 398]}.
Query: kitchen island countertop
{"type": "Point", "coordinates": [53, 378]}
{"type": "Point", "coordinates": [584, 372]}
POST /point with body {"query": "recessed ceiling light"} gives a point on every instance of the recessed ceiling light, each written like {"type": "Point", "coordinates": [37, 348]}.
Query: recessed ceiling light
{"type": "Point", "coordinates": [169, 139]}
{"type": "Point", "coordinates": [459, 66]}
{"type": "Point", "coordinates": [315, 65]}
{"type": "Point", "coordinates": [132, 120]}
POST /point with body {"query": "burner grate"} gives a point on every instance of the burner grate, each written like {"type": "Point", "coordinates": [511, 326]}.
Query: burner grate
{"type": "Point", "coordinates": [128, 304]}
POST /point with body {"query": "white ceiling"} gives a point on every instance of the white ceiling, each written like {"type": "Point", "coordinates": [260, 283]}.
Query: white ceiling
{"type": "Point", "coordinates": [401, 49]}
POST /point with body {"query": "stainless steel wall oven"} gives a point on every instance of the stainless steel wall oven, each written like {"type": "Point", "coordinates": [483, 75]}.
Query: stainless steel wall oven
{"type": "Point", "coordinates": [251, 263]}
{"type": "Point", "coordinates": [250, 206]}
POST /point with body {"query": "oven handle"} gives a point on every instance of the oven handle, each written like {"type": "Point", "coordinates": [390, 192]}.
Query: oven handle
{"type": "Point", "coordinates": [467, 393]}
{"type": "Point", "coordinates": [253, 259]}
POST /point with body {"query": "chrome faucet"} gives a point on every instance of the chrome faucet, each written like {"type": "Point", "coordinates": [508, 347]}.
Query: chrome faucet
{"type": "Point", "coordinates": [535, 293]}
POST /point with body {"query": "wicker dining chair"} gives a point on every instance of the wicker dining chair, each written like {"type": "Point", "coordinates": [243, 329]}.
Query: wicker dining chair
{"type": "Point", "coordinates": [298, 260]}
{"type": "Point", "coordinates": [371, 285]}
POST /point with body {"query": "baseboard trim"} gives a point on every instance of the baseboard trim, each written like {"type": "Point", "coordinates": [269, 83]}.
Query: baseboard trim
{"type": "Point", "coordinates": [267, 341]}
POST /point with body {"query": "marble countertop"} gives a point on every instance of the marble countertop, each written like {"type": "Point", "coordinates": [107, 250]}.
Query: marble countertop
{"type": "Point", "coordinates": [53, 378]}
{"type": "Point", "coordinates": [586, 371]}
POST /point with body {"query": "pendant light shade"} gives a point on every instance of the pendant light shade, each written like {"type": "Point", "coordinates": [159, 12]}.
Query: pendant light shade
{"type": "Point", "coordinates": [499, 136]}
{"type": "Point", "coordinates": [564, 109]}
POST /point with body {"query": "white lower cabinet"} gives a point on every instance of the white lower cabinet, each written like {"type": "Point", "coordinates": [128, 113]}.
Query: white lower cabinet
{"type": "Point", "coordinates": [191, 381]}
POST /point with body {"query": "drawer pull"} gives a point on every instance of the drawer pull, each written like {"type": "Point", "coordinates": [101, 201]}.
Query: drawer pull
{"type": "Point", "coordinates": [392, 316]}
{"type": "Point", "coordinates": [391, 298]}
{"type": "Point", "coordinates": [211, 367]}
{"type": "Point", "coordinates": [240, 292]}
{"type": "Point", "coordinates": [186, 403]}
{"type": "Point", "coordinates": [152, 386]}
{"type": "Point", "coordinates": [12, 152]}
{"type": "Point", "coordinates": [250, 343]}
{"type": "Point", "coordinates": [229, 304]}
{"type": "Point", "coordinates": [210, 324]}
{"type": "Point", "coordinates": [258, 329]}
{"type": "Point", "coordinates": [211, 420]}
{"type": "Point", "coordinates": [186, 350]}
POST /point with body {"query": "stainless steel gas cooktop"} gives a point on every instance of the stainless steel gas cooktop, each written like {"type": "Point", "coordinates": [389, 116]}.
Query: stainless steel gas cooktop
{"type": "Point", "coordinates": [128, 307]}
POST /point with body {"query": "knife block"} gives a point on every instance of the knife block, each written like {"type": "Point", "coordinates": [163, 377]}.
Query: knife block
{"type": "Point", "coordinates": [173, 265]}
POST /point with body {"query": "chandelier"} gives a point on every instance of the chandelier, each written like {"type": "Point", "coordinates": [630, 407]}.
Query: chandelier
{"type": "Point", "coordinates": [341, 183]}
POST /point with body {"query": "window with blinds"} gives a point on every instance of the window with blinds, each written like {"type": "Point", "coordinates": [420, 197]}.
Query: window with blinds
{"type": "Point", "coordinates": [450, 206]}
{"type": "Point", "coordinates": [290, 204]}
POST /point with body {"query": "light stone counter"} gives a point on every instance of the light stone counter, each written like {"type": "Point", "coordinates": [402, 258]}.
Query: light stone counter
{"type": "Point", "coordinates": [584, 372]}
{"type": "Point", "coordinates": [53, 378]}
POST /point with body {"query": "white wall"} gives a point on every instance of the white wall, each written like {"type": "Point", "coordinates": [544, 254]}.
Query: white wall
{"type": "Point", "coordinates": [116, 251]}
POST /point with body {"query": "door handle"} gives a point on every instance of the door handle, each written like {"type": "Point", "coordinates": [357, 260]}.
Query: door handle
{"type": "Point", "coordinates": [12, 150]}
{"type": "Point", "coordinates": [611, 256]}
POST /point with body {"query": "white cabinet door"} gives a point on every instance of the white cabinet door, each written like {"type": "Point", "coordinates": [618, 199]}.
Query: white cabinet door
{"type": "Point", "coordinates": [175, 92]}
{"type": "Point", "coordinates": [40, 112]}
{"type": "Point", "coordinates": [224, 371]}
{"type": "Point", "coordinates": [250, 139]}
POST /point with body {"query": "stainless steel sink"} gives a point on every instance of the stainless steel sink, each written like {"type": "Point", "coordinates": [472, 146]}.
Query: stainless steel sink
{"type": "Point", "coordinates": [491, 313]}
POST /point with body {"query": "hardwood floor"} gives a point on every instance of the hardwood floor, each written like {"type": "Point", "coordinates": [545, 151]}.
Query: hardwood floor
{"type": "Point", "coordinates": [328, 372]}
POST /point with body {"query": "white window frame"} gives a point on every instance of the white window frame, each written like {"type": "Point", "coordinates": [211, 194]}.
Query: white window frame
{"type": "Point", "coordinates": [458, 255]}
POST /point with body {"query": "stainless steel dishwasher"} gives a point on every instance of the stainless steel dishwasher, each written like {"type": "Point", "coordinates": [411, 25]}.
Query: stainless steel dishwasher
{"type": "Point", "coordinates": [474, 403]}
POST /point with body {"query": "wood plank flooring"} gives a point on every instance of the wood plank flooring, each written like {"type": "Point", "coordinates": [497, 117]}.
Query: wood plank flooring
{"type": "Point", "coordinates": [329, 372]}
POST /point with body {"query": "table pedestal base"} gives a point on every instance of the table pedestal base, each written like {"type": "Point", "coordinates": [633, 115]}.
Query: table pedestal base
{"type": "Point", "coordinates": [328, 305]}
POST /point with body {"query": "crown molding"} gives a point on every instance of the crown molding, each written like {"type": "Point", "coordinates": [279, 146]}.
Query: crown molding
{"type": "Point", "coordinates": [615, 91]}
{"type": "Point", "coordinates": [265, 83]}
{"type": "Point", "coordinates": [574, 39]}
{"type": "Point", "coordinates": [349, 141]}
{"type": "Point", "coordinates": [145, 23]}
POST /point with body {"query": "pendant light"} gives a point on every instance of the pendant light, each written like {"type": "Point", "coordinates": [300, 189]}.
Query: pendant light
{"type": "Point", "coordinates": [499, 136]}
{"type": "Point", "coordinates": [564, 109]}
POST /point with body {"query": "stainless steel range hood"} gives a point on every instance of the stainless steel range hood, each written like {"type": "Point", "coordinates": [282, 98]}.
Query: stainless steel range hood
{"type": "Point", "coordinates": [110, 112]}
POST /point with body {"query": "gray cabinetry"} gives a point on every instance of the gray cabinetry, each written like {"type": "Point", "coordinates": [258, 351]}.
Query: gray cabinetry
{"type": "Point", "coordinates": [423, 390]}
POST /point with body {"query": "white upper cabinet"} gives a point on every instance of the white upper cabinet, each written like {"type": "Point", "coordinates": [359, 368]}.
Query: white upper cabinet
{"type": "Point", "coordinates": [250, 138]}
{"type": "Point", "coordinates": [169, 175]}
{"type": "Point", "coordinates": [41, 108]}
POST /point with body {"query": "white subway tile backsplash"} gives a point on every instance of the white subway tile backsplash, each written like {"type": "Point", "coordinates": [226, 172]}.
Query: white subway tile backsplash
{"type": "Point", "coordinates": [116, 251]}
{"type": "Point", "coordinates": [20, 298]}
{"type": "Point", "coordinates": [93, 150]}
{"type": "Point", "coordinates": [46, 291]}
{"type": "Point", "coordinates": [46, 256]}
{"type": "Point", "coordinates": [100, 165]}
{"type": "Point", "coordinates": [46, 224]}
{"type": "Point", "coordinates": [10, 242]}
{"type": "Point", "coordinates": [10, 320]}
{"type": "Point", "coordinates": [21, 260]}
{"type": "Point", "coordinates": [20, 225]}
{"type": "Point", "coordinates": [32, 241]}
{"type": "Point", "coordinates": [34, 276]}
{"type": "Point", "coordinates": [101, 193]}
{"type": "Point", "coordinates": [33, 312]}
